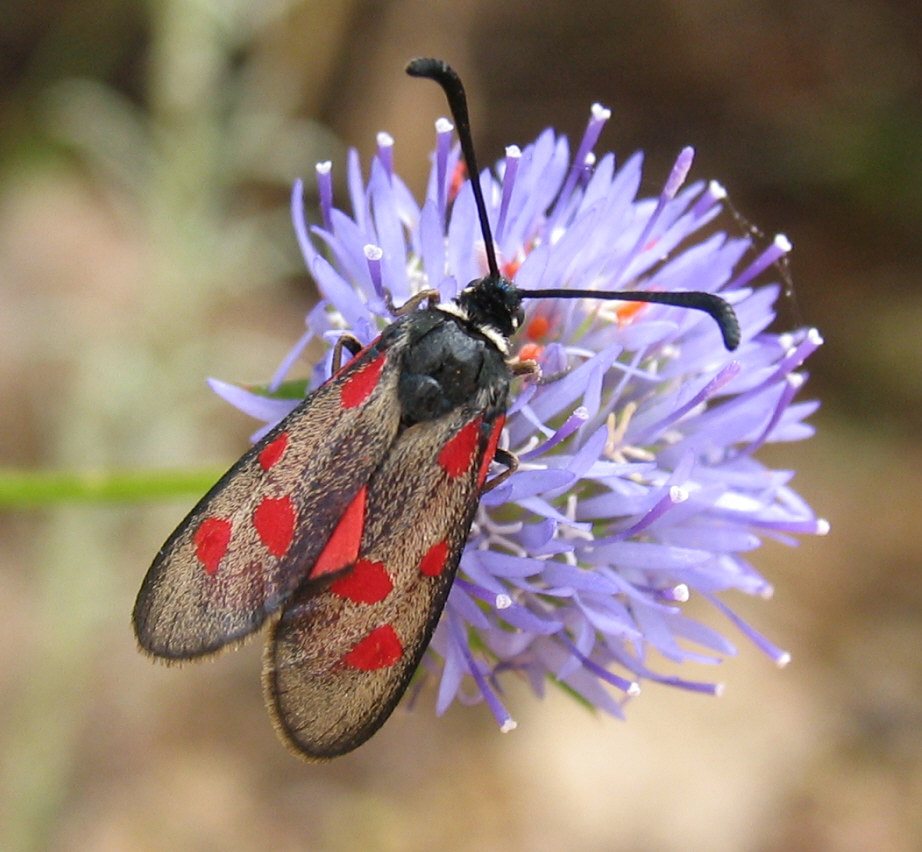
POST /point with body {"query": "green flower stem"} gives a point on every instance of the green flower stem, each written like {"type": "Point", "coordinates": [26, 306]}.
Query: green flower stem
{"type": "Point", "coordinates": [41, 488]}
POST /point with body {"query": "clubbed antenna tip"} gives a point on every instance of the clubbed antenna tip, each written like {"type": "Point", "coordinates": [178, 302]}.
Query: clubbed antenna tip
{"type": "Point", "coordinates": [448, 79]}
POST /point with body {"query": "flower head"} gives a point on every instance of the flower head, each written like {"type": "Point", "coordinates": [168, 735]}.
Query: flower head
{"type": "Point", "coordinates": [638, 488]}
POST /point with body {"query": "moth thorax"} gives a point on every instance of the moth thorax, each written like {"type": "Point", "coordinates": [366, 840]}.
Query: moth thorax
{"type": "Point", "coordinates": [493, 303]}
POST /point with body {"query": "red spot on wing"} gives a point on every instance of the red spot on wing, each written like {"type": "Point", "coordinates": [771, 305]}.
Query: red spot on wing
{"type": "Point", "coordinates": [457, 456]}
{"type": "Point", "coordinates": [361, 383]}
{"type": "Point", "coordinates": [274, 519]}
{"type": "Point", "coordinates": [343, 547]}
{"type": "Point", "coordinates": [273, 451]}
{"type": "Point", "coordinates": [378, 650]}
{"type": "Point", "coordinates": [367, 583]}
{"type": "Point", "coordinates": [433, 563]}
{"type": "Point", "coordinates": [491, 449]}
{"type": "Point", "coordinates": [211, 540]}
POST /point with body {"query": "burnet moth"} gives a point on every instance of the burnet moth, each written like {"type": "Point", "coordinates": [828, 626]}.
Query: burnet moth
{"type": "Point", "coordinates": [343, 526]}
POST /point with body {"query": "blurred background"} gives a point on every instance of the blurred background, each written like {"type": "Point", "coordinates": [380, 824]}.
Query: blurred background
{"type": "Point", "coordinates": [146, 155]}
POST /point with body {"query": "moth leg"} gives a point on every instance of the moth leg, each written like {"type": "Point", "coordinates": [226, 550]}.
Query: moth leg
{"type": "Point", "coordinates": [550, 378]}
{"type": "Point", "coordinates": [350, 342]}
{"type": "Point", "coordinates": [525, 368]}
{"type": "Point", "coordinates": [411, 304]}
{"type": "Point", "coordinates": [512, 465]}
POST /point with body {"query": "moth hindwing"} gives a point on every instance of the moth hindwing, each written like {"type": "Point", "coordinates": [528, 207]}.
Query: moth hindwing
{"type": "Point", "coordinates": [347, 521]}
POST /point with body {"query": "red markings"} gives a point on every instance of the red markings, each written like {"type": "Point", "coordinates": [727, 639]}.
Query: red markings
{"type": "Point", "coordinates": [457, 179]}
{"type": "Point", "coordinates": [457, 456]}
{"type": "Point", "coordinates": [274, 520]}
{"type": "Point", "coordinates": [361, 383]}
{"type": "Point", "coordinates": [273, 451]}
{"type": "Point", "coordinates": [433, 563]}
{"type": "Point", "coordinates": [378, 650]}
{"type": "Point", "coordinates": [538, 327]}
{"type": "Point", "coordinates": [538, 330]}
{"type": "Point", "coordinates": [211, 540]}
{"type": "Point", "coordinates": [531, 352]}
{"type": "Point", "coordinates": [343, 547]}
{"type": "Point", "coordinates": [367, 583]}
{"type": "Point", "coordinates": [491, 449]}
{"type": "Point", "coordinates": [510, 268]}
{"type": "Point", "coordinates": [626, 312]}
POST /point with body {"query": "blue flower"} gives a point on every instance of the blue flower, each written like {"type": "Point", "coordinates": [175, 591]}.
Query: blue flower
{"type": "Point", "coordinates": [638, 487]}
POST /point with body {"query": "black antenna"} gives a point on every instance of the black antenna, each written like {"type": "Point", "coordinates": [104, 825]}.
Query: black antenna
{"type": "Point", "coordinates": [719, 310]}
{"type": "Point", "coordinates": [448, 79]}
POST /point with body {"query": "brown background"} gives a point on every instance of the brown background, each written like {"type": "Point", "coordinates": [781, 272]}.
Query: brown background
{"type": "Point", "coordinates": [144, 243]}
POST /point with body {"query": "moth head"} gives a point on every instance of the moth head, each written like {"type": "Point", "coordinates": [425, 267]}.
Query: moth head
{"type": "Point", "coordinates": [493, 302]}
